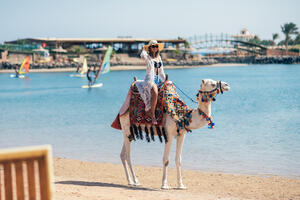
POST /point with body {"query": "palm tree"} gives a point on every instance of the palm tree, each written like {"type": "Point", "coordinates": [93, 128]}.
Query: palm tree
{"type": "Point", "coordinates": [275, 36]}
{"type": "Point", "coordinates": [288, 29]}
{"type": "Point", "coordinates": [297, 39]}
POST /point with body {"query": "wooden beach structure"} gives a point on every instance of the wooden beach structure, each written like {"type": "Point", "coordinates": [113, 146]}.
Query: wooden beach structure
{"type": "Point", "coordinates": [120, 45]}
{"type": "Point", "coordinates": [26, 173]}
{"type": "Point", "coordinates": [74, 47]}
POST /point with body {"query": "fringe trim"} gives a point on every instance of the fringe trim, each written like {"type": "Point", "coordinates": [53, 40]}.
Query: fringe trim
{"type": "Point", "coordinates": [140, 132]}
{"type": "Point", "coordinates": [136, 133]}
{"type": "Point", "coordinates": [147, 134]}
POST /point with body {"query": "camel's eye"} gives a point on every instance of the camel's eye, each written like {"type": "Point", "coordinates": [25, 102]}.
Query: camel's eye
{"type": "Point", "coordinates": [213, 84]}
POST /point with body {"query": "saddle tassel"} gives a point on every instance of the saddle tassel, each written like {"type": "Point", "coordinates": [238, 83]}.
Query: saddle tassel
{"type": "Point", "coordinates": [131, 136]}
{"type": "Point", "coordinates": [152, 133]}
{"type": "Point", "coordinates": [164, 134]}
{"type": "Point", "coordinates": [135, 131]}
{"type": "Point", "coordinates": [147, 134]}
{"type": "Point", "coordinates": [140, 132]}
{"type": "Point", "coordinates": [159, 134]}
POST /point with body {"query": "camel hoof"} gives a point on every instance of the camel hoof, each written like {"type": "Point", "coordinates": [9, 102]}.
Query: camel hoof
{"type": "Point", "coordinates": [131, 184]}
{"type": "Point", "coordinates": [181, 187]}
{"type": "Point", "coordinates": [137, 184]}
{"type": "Point", "coordinates": [165, 187]}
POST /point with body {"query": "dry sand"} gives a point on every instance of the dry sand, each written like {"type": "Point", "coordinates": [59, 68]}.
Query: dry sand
{"type": "Point", "coordinates": [122, 67]}
{"type": "Point", "coordinates": [87, 180]}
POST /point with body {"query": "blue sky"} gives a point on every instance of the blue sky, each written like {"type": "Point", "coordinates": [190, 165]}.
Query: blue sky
{"type": "Point", "coordinates": [139, 18]}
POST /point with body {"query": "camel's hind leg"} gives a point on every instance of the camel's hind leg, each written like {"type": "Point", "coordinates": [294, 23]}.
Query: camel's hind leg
{"type": "Point", "coordinates": [126, 161]}
{"type": "Point", "coordinates": [125, 153]}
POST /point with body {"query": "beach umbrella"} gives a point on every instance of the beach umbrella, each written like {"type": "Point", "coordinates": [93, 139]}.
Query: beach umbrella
{"type": "Point", "coordinates": [59, 50]}
{"type": "Point", "coordinates": [104, 48]}
{"type": "Point", "coordinates": [41, 49]}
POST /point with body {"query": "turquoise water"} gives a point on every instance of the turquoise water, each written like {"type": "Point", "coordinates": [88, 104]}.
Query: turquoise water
{"type": "Point", "coordinates": [257, 122]}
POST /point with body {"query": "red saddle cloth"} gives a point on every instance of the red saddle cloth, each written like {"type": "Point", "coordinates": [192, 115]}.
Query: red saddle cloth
{"type": "Point", "coordinates": [137, 113]}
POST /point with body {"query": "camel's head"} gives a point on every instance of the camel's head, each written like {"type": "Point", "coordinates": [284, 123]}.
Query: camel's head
{"type": "Point", "coordinates": [210, 88]}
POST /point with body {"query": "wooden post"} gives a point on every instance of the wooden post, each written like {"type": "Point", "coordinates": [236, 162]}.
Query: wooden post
{"type": "Point", "coordinates": [44, 178]}
{"type": "Point", "coordinates": [0, 184]}
{"type": "Point", "coordinates": [31, 179]}
{"type": "Point", "coordinates": [19, 180]}
{"type": "Point", "coordinates": [8, 181]}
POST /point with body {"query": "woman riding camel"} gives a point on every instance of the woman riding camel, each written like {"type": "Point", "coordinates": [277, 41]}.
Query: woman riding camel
{"type": "Point", "coordinates": [154, 75]}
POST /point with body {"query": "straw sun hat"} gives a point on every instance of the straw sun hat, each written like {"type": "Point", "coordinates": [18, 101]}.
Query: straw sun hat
{"type": "Point", "coordinates": [154, 42]}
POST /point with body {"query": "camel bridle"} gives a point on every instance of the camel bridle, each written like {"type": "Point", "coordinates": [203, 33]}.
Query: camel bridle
{"type": "Point", "coordinates": [212, 93]}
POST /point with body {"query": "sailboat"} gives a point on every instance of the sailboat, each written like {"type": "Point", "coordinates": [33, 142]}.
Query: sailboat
{"type": "Point", "coordinates": [24, 69]}
{"type": "Point", "coordinates": [104, 68]}
{"type": "Point", "coordinates": [83, 70]}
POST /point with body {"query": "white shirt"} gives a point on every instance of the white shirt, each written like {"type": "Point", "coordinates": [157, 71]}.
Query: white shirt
{"type": "Point", "coordinates": [151, 70]}
{"type": "Point", "coordinates": [145, 86]}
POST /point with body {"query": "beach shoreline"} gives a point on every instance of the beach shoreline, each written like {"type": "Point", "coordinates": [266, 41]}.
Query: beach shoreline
{"type": "Point", "coordinates": [75, 179]}
{"type": "Point", "coordinates": [128, 67]}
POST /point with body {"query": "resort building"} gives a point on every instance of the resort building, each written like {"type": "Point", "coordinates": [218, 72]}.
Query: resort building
{"type": "Point", "coordinates": [120, 45]}
{"type": "Point", "coordinates": [126, 49]}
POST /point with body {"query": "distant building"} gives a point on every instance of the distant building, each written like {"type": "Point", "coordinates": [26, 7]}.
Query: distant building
{"type": "Point", "coordinates": [120, 45]}
{"type": "Point", "coordinates": [127, 49]}
{"type": "Point", "coordinates": [244, 35]}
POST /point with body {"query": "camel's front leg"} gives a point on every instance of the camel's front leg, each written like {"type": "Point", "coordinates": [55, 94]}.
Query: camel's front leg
{"type": "Point", "coordinates": [179, 145]}
{"type": "Point", "coordinates": [166, 160]}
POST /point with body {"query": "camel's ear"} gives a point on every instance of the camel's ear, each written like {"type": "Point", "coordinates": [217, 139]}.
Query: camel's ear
{"type": "Point", "coordinates": [203, 82]}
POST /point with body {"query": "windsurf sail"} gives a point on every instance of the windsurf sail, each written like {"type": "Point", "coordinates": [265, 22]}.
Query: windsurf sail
{"type": "Point", "coordinates": [84, 67]}
{"type": "Point", "coordinates": [105, 68]}
{"type": "Point", "coordinates": [25, 66]}
{"type": "Point", "coordinates": [105, 63]}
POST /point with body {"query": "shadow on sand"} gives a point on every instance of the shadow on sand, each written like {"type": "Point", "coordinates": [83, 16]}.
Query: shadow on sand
{"type": "Point", "coordinates": [100, 184]}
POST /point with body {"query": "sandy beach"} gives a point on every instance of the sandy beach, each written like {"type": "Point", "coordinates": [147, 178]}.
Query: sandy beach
{"type": "Point", "coordinates": [76, 179]}
{"type": "Point", "coordinates": [122, 67]}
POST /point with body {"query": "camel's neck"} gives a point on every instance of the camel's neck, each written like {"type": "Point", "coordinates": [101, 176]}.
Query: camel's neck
{"type": "Point", "coordinates": [205, 107]}
{"type": "Point", "coordinates": [197, 120]}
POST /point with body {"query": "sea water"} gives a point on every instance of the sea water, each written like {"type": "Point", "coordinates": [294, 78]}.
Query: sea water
{"type": "Point", "coordinates": [257, 127]}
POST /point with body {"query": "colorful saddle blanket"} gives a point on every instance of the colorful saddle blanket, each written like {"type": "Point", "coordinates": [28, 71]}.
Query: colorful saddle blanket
{"type": "Point", "coordinates": [168, 102]}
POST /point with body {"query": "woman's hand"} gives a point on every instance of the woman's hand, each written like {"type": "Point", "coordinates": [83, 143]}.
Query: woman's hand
{"type": "Point", "coordinates": [144, 54]}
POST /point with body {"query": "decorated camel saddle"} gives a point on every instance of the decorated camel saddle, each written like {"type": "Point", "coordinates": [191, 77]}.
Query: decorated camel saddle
{"type": "Point", "coordinates": [168, 102]}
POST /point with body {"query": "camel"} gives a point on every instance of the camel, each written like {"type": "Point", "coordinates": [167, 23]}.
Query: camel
{"type": "Point", "coordinates": [208, 89]}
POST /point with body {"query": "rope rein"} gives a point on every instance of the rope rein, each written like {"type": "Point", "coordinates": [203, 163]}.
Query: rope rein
{"type": "Point", "coordinates": [185, 94]}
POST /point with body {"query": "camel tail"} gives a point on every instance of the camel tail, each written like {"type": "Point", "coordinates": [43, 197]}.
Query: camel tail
{"type": "Point", "coordinates": [116, 123]}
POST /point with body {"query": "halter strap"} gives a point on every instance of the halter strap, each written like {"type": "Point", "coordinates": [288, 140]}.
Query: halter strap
{"type": "Point", "coordinates": [218, 87]}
